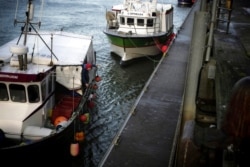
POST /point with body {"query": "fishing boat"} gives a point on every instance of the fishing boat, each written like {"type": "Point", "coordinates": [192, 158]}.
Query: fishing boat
{"type": "Point", "coordinates": [44, 105]}
{"type": "Point", "coordinates": [139, 28]}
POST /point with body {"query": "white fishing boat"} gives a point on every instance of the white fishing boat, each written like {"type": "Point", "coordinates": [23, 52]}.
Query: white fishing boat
{"type": "Point", "coordinates": [139, 28]}
{"type": "Point", "coordinates": [44, 106]}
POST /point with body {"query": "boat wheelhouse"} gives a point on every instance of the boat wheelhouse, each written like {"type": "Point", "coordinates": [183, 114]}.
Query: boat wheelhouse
{"type": "Point", "coordinates": [139, 28]}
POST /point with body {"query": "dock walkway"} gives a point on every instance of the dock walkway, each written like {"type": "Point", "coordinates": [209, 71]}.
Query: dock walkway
{"type": "Point", "coordinates": [148, 135]}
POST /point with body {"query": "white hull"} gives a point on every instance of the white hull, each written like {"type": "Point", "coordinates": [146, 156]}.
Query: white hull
{"type": "Point", "coordinates": [132, 53]}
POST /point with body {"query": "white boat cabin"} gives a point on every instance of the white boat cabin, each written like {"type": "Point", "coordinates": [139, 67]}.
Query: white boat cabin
{"type": "Point", "coordinates": [141, 17]}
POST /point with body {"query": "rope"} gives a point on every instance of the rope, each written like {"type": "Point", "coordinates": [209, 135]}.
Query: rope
{"type": "Point", "coordinates": [148, 57]}
{"type": "Point", "coordinates": [155, 61]}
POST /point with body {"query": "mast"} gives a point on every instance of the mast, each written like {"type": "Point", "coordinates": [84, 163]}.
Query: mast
{"type": "Point", "coordinates": [29, 16]}
{"type": "Point", "coordinates": [22, 50]}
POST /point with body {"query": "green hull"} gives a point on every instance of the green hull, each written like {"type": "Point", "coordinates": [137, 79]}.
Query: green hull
{"type": "Point", "coordinates": [135, 41]}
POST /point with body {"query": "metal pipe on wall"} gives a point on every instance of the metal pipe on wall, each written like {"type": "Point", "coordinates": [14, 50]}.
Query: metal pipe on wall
{"type": "Point", "coordinates": [196, 58]}
{"type": "Point", "coordinates": [203, 5]}
{"type": "Point", "coordinates": [211, 31]}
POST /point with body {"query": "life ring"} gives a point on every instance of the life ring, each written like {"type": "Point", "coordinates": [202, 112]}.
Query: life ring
{"type": "Point", "coordinates": [19, 49]}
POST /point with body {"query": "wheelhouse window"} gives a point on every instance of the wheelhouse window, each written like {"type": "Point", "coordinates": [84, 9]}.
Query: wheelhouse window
{"type": "Point", "coordinates": [150, 22]}
{"type": "Point", "coordinates": [130, 21]}
{"type": "Point", "coordinates": [33, 92]}
{"type": "Point", "coordinates": [140, 22]}
{"type": "Point", "coordinates": [47, 86]}
{"type": "Point", "coordinates": [17, 93]}
{"type": "Point", "coordinates": [3, 92]}
{"type": "Point", "coordinates": [122, 20]}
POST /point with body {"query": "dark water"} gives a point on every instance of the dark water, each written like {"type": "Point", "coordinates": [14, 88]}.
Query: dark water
{"type": "Point", "coordinates": [119, 87]}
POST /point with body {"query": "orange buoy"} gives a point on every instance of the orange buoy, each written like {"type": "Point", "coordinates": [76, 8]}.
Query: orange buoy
{"type": "Point", "coordinates": [74, 149]}
{"type": "Point", "coordinates": [79, 136]}
{"type": "Point", "coordinates": [98, 78]}
{"type": "Point", "coordinates": [59, 119]}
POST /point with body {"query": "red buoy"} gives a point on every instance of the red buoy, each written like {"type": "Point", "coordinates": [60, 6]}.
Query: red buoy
{"type": "Point", "coordinates": [164, 48]}
{"type": "Point", "coordinates": [98, 78]}
{"type": "Point", "coordinates": [83, 117]}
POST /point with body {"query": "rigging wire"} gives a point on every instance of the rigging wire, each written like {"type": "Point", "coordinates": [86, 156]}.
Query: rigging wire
{"type": "Point", "coordinates": [41, 11]}
{"type": "Point", "coordinates": [16, 8]}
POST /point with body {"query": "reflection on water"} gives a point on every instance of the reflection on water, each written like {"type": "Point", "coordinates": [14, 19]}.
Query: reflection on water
{"type": "Point", "coordinates": [119, 87]}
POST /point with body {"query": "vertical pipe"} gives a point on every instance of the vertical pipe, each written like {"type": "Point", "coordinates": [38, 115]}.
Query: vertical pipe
{"type": "Point", "coordinates": [203, 5]}
{"type": "Point", "coordinates": [197, 51]}
{"type": "Point", "coordinates": [218, 12]}
{"type": "Point", "coordinates": [211, 30]}
{"type": "Point", "coordinates": [229, 4]}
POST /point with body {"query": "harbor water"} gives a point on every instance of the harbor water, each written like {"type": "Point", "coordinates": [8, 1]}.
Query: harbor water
{"type": "Point", "coordinates": [120, 86]}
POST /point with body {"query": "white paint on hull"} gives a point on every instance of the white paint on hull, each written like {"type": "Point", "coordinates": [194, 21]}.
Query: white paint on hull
{"type": "Point", "coordinates": [131, 53]}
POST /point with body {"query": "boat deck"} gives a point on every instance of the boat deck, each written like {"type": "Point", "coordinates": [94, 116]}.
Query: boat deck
{"type": "Point", "coordinates": [148, 135]}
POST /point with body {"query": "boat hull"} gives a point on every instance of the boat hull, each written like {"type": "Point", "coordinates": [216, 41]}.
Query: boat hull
{"type": "Point", "coordinates": [130, 47]}
{"type": "Point", "coordinates": [54, 150]}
